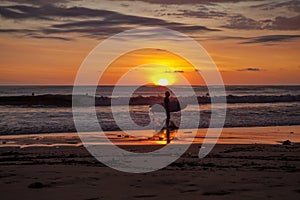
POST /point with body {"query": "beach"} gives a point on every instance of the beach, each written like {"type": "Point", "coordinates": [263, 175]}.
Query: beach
{"type": "Point", "coordinates": [255, 168]}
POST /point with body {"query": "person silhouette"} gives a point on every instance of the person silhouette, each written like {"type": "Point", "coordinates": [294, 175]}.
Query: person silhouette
{"type": "Point", "coordinates": [166, 105]}
{"type": "Point", "coordinates": [167, 108]}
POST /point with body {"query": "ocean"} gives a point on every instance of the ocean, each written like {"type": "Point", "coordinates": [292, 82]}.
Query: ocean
{"type": "Point", "coordinates": [47, 109]}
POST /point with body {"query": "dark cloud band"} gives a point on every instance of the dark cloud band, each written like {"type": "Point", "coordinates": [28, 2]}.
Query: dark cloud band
{"type": "Point", "coordinates": [84, 21]}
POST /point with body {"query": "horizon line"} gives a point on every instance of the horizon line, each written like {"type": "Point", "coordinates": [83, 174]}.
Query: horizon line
{"type": "Point", "coordinates": [111, 85]}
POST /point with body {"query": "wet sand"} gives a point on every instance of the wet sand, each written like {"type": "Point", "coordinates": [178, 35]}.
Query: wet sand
{"type": "Point", "coordinates": [230, 171]}
{"type": "Point", "coordinates": [244, 135]}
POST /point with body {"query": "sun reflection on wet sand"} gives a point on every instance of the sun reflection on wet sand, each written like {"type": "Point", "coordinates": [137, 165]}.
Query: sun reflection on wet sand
{"type": "Point", "coordinates": [255, 135]}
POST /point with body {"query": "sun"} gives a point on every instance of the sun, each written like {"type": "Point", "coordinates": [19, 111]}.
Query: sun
{"type": "Point", "coordinates": [163, 82]}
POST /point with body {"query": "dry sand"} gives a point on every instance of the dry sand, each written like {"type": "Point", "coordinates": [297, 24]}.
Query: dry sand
{"type": "Point", "coordinates": [230, 171]}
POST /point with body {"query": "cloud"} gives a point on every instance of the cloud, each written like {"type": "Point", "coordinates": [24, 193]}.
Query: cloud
{"type": "Point", "coordinates": [241, 22]}
{"type": "Point", "coordinates": [178, 71]}
{"type": "Point", "coordinates": [182, 2]}
{"type": "Point", "coordinates": [279, 23]}
{"type": "Point", "coordinates": [114, 20]}
{"type": "Point", "coordinates": [104, 27]}
{"type": "Point", "coordinates": [89, 22]}
{"type": "Point", "coordinates": [51, 37]}
{"type": "Point", "coordinates": [175, 71]}
{"type": "Point", "coordinates": [47, 11]}
{"type": "Point", "coordinates": [202, 13]}
{"type": "Point", "coordinates": [284, 23]}
{"type": "Point", "coordinates": [38, 2]}
{"type": "Point", "coordinates": [270, 39]}
{"type": "Point", "coordinates": [98, 23]}
{"type": "Point", "coordinates": [26, 31]}
{"type": "Point", "coordinates": [293, 6]}
{"type": "Point", "coordinates": [253, 69]}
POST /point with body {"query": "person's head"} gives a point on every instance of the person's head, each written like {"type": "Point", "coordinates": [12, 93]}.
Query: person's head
{"type": "Point", "coordinates": [167, 93]}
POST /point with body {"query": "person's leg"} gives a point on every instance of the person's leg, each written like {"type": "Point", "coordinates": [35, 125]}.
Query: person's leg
{"type": "Point", "coordinates": [168, 120]}
{"type": "Point", "coordinates": [168, 136]}
{"type": "Point", "coordinates": [167, 127]}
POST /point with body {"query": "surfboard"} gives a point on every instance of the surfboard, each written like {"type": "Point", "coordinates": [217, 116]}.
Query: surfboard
{"type": "Point", "coordinates": [173, 107]}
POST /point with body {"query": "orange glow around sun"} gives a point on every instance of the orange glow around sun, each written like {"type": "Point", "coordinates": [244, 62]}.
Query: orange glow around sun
{"type": "Point", "coordinates": [156, 67]}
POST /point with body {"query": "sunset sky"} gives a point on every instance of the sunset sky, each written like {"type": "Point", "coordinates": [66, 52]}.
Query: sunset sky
{"type": "Point", "coordinates": [251, 42]}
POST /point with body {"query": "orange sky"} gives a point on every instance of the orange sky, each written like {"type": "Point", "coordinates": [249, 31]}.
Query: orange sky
{"type": "Point", "coordinates": [158, 64]}
{"type": "Point", "coordinates": [35, 51]}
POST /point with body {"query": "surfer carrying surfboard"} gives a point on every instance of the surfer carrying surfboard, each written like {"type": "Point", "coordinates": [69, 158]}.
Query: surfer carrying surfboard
{"type": "Point", "coordinates": [163, 125]}
{"type": "Point", "coordinates": [166, 104]}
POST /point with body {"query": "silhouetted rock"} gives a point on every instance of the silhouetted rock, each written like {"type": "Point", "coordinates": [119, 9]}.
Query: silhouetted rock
{"type": "Point", "coordinates": [36, 185]}
{"type": "Point", "coordinates": [287, 142]}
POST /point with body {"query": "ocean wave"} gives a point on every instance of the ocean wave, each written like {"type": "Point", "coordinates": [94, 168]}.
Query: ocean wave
{"type": "Point", "coordinates": [84, 100]}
